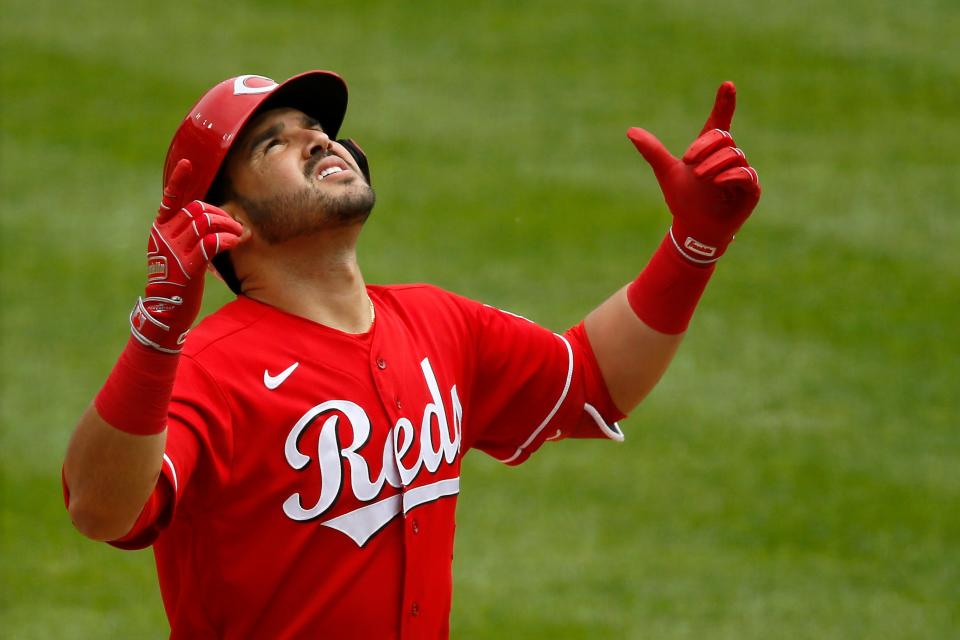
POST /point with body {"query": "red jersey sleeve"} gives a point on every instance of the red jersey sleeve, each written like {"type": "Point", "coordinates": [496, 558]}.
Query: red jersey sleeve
{"type": "Point", "coordinates": [198, 453]}
{"type": "Point", "coordinates": [532, 385]}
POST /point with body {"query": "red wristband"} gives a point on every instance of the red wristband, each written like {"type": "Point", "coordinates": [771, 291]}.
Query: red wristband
{"type": "Point", "coordinates": [135, 396]}
{"type": "Point", "coordinates": [665, 294]}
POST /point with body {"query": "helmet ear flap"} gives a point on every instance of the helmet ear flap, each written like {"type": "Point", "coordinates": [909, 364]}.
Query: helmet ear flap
{"type": "Point", "coordinates": [223, 267]}
{"type": "Point", "coordinates": [358, 155]}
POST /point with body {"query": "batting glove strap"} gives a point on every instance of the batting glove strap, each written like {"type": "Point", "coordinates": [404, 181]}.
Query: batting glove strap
{"type": "Point", "coordinates": [149, 330]}
{"type": "Point", "coordinates": [692, 249]}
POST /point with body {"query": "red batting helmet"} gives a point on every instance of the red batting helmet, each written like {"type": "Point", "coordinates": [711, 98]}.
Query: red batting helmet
{"type": "Point", "coordinates": [212, 125]}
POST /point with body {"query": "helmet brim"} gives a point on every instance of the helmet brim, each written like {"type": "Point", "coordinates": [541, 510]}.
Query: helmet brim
{"type": "Point", "coordinates": [319, 94]}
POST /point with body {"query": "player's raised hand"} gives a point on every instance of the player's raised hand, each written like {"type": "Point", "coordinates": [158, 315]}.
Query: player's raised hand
{"type": "Point", "coordinates": [711, 190]}
{"type": "Point", "coordinates": [183, 239]}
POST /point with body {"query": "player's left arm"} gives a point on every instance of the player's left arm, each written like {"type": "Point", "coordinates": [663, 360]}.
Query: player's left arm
{"type": "Point", "coordinates": [710, 191]}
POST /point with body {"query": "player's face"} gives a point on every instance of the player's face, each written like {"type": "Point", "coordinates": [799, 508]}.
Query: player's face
{"type": "Point", "coordinates": [292, 180]}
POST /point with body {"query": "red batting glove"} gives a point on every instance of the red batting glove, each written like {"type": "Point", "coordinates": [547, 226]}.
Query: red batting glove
{"type": "Point", "coordinates": [183, 240]}
{"type": "Point", "coordinates": [711, 190]}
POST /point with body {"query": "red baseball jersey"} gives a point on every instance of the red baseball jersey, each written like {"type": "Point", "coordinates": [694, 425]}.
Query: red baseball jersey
{"type": "Point", "coordinates": [311, 476]}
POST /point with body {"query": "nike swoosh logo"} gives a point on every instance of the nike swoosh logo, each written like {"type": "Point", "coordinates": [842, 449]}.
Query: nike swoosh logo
{"type": "Point", "coordinates": [272, 382]}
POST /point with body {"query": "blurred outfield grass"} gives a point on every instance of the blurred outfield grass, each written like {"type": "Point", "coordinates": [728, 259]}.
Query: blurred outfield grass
{"type": "Point", "coordinates": [796, 474]}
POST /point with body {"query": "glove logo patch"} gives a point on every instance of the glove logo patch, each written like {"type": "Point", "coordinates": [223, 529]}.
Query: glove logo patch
{"type": "Point", "coordinates": [251, 85]}
{"type": "Point", "coordinates": [156, 268]}
{"type": "Point", "coordinates": [698, 247]}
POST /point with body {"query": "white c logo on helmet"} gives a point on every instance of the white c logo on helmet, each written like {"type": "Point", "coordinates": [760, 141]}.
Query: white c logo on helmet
{"type": "Point", "coordinates": [240, 86]}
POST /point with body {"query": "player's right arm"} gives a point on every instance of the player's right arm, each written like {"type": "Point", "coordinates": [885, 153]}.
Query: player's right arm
{"type": "Point", "coordinates": [116, 452]}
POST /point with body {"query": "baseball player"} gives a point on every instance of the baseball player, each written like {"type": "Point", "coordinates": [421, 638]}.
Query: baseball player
{"type": "Point", "coordinates": [295, 461]}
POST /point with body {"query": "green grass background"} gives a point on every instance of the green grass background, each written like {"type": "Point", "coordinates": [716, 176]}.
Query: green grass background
{"type": "Point", "coordinates": [797, 472]}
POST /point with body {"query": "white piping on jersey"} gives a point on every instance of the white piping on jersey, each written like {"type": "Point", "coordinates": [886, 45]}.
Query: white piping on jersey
{"type": "Point", "coordinates": [553, 412]}
{"type": "Point", "coordinates": [509, 313]}
{"type": "Point", "coordinates": [361, 524]}
{"type": "Point", "coordinates": [613, 432]}
{"type": "Point", "coordinates": [173, 470]}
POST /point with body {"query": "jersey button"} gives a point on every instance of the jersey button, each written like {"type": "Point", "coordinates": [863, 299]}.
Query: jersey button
{"type": "Point", "coordinates": [414, 610]}
{"type": "Point", "coordinates": [399, 404]}
{"type": "Point", "coordinates": [381, 363]}
{"type": "Point", "coordinates": [414, 526]}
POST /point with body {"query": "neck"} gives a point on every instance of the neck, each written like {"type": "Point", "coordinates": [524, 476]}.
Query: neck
{"type": "Point", "coordinates": [315, 277]}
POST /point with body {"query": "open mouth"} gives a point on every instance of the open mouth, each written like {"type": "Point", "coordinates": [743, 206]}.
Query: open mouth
{"type": "Point", "coordinates": [329, 166]}
{"type": "Point", "coordinates": [329, 171]}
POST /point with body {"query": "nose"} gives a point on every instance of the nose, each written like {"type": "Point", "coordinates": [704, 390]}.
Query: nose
{"type": "Point", "coordinates": [316, 142]}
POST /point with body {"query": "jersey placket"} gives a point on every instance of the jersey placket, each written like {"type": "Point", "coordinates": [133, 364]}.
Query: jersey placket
{"type": "Point", "coordinates": [390, 370]}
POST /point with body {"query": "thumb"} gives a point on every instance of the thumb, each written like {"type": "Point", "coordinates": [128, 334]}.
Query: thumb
{"type": "Point", "coordinates": [722, 114]}
{"type": "Point", "coordinates": [651, 149]}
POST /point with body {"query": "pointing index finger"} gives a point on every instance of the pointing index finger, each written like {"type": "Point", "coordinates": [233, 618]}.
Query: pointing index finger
{"type": "Point", "coordinates": [173, 190]}
{"type": "Point", "coordinates": [722, 114]}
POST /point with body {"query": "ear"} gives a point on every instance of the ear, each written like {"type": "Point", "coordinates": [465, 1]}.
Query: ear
{"type": "Point", "coordinates": [238, 213]}
{"type": "Point", "coordinates": [234, 209]}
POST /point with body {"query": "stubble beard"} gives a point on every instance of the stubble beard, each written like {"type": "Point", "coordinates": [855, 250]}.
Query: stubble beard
{"type": "Point", "coordinates": [308, 211]}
